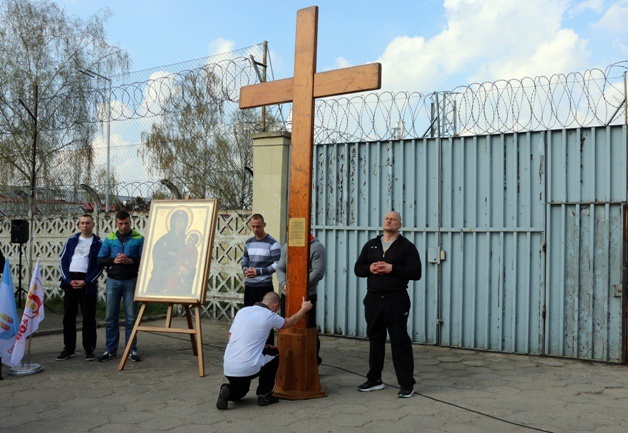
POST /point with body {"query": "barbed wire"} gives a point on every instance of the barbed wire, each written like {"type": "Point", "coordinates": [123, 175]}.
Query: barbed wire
{"type": "Point", "coordinates": [143, 94]}
{"type": "Point", "coordinates": [576, 99]}
{"type": "Point", "coordinates": [595, 97]}
{"type": "Point", "coordinates": [579, 99]}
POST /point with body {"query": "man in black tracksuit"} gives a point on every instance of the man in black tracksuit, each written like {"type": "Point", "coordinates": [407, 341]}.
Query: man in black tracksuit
{"type": "Point", "coordinates": [388, 262]}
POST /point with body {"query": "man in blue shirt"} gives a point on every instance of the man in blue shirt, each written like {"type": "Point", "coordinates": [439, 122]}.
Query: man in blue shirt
{"type": "Point", "coordinates": [120, 255]}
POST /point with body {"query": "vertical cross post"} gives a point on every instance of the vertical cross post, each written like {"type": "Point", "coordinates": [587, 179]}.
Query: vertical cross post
{"type": "Point", "coordinates": [298, 372]}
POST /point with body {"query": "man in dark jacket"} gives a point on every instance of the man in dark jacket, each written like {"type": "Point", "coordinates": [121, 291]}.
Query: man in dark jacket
{"type": "Point", "coordinates": [79, 280]}
{"type": "Point", "coordinates": [120, 254]}
{"type": "Point", "coordinates": [388, 262]}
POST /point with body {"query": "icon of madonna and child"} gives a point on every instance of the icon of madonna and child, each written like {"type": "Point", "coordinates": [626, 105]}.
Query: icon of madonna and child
{"type": "Point", "coordinates": [175, 256]}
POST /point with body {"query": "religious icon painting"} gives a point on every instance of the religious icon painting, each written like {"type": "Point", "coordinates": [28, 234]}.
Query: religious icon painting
{"type": "Point", "coordinates": [177, 251]}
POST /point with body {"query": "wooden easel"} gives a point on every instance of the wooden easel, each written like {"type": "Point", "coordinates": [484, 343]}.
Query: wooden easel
{"type": "Point", "coordinates": [193, 330]}
{"type": "Point", "coordinates": [298, 370]}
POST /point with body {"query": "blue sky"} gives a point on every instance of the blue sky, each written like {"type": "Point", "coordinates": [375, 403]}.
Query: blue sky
{"type": "Point", "coordinates": [423, 45]}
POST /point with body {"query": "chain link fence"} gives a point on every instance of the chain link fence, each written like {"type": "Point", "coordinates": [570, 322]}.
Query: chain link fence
{"type": "Point", "coordinates": [127, 109]}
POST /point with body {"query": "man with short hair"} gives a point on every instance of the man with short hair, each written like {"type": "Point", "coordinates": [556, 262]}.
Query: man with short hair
{"type": "Point", "coordinates": [79, 281]}
{"type": "Point", "coordinates": [261, 257]}
{"type": "Point", "coordinates": [247, 356]}
{"type": "Point", "coordinates": [388, 262]}
{"type": "Point", "coordinates": [120, 254]}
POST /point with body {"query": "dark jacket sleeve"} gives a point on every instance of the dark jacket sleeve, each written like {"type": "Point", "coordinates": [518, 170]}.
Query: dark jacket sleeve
{"type": "Point", "coordinates": [411, 268]}
{"type": "Point", "coordinates": [105, 261]}
{"type": "Point", "coordinates": [65, 263]}
{"type": "Point", "coordinates": [362, 266]}
{"type": "Point", "coordinates": [94, 269]}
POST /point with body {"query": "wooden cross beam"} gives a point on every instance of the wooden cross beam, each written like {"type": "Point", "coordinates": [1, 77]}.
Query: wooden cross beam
{"type": "Point", "coordinates": [302, 89]}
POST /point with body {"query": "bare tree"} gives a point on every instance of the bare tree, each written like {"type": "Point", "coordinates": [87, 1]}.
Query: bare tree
{"type": "Point", "coordinates": [42, 91]}
{"type": "Point", "coordinates": [196, 144]}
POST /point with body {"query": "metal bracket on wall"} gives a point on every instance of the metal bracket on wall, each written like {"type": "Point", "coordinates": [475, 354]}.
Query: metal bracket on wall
{"type": "Point", "coordinates": [617, 289]}
{"type": "Point", "coordinates": [435, 255]}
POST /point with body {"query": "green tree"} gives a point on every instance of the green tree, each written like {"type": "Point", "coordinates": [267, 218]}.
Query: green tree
{"type": "Point", "coordinates": [43, 51]}
{"type": "Point", "coordinates": [197, 144]}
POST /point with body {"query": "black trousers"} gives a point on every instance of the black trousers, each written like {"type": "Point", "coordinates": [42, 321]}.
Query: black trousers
{"type": "Point", "coordinates": [72, 300]}
{"type": "Point", "coordinates": [389, 312]}
{"type": "Point", "coordinates": [253, 294]}
{"type": "Point", "coordinates": [240, 385]}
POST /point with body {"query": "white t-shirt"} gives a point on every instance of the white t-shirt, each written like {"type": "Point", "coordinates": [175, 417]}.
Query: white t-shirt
{"type": "Point", "coordinates": [249, 332]}
{"type": "Point", "coordinates": [80, 259]}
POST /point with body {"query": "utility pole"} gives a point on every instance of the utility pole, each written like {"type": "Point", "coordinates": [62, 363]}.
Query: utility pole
{"type": "Point", "coordinates": [93, 74]}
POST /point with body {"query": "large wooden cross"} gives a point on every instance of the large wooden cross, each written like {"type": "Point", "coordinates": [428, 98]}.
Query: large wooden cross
{"type": "Point", "coordinates": [302, 89]}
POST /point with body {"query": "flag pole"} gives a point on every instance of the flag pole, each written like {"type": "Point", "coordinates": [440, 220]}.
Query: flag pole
{"type": "Point", "coordinates": [33, 314]}
{"type": "Point", "coordinates": [28, 352]}
{"type": "Point", "coordinates": [27, 369]}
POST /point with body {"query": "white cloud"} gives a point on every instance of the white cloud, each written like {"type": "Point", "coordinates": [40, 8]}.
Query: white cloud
{"type": "Point", "coordinates": [220, 45]}
{"type": "Point", "coordinates": [340, 63]}
{"type": "Point", "coordinates": [125, 161]}
{"type": "Point", "coordinates": [615, 18]}
{"type": "Point", "coordinates": [160, 87]}
{"type": "Point", "coordinates": [485, 40]}
{"type": "Point", "coordinates": [586, 5]}
{"type": "Point", "coordinates": [564, 53]}
{"type": "Point", "coordinates": [620, 47]}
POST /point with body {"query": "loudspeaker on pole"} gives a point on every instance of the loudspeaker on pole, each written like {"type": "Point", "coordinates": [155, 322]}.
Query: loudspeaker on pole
{"type": "Point", "coordinates": [19, 231]}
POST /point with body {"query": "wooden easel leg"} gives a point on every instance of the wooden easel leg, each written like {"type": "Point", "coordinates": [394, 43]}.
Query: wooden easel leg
{"type": "Point", "coordinates": [199, 341]}
{"type": "Point", "coordinates": [169, 316]}
{"type": "Point", "coordinates": [127, 349]}
{"type": "Point", "coordinates": [188, 316]}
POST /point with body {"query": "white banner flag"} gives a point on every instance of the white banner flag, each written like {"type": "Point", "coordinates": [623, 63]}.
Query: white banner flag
{"type": "Point", "coordinates": [8, 316]}
{"type": "Point", "coordinates": [33, 314]}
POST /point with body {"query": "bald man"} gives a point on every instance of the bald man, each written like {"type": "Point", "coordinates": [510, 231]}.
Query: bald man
{"type": "Point", "coordinates": [388, 262]}
{"type": "Point", "coordinates": [247, 355]}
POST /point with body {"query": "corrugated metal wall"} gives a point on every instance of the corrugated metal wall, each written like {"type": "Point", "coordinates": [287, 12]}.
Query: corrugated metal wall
{"type": "Point", "coordinates": [492, 233]}
{"type": "Point", "coordinates": [586, 171]}
{"type": "Point", "coordinates": [490, 204]}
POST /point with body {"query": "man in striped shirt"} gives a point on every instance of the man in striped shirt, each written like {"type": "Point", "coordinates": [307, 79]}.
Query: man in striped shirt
{"type": "Point", "coordinates": [261, 258]}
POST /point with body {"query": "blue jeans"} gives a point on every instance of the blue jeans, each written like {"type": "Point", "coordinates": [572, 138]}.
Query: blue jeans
{"type": "Point", "coordinates": [118, 290]}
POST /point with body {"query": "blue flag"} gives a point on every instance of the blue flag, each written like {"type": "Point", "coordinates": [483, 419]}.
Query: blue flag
{"type": "Point", "coordinates": [9, 321]}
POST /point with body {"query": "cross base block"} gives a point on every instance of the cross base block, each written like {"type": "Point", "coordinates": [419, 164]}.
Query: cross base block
{"type": "Point", "coordinates": [297, 377]}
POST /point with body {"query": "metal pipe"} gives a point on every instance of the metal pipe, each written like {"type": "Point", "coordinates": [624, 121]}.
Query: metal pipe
{"type": "Point", "coordinates": [173, 189]}
{"type": "Point", "coordinates": [93, 74]}
{"type": "Point", "coordinates": [623, 104]}
{"type": "Point", "coordinates": [264, 59]}
{"type": "Point", "coordinates": [31, 199]}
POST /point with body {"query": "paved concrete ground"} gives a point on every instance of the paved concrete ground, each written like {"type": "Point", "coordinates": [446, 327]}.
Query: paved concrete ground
{"type": "Point", "coordinates": [457, 391]}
